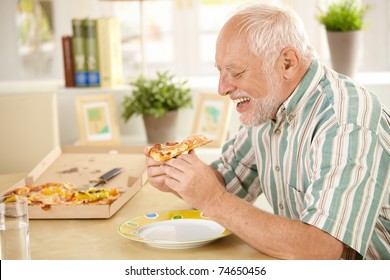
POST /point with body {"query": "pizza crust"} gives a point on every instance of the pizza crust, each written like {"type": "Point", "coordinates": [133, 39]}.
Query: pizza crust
{"type": "Point", "coordinates": [162, 152]}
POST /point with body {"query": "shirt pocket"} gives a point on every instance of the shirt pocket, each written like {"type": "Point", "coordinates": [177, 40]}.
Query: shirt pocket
{"type": "Point", "coordinates": [295, 198]}
{"type": "Point", "coordinates": [293, 187]}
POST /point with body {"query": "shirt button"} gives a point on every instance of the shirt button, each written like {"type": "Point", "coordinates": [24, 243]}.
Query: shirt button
{"type": "Point", "coordinates": [277, 168]}
{"type": "Point", "coordinates": [281, 206]}
{"type": "Point", "coordinates": [277, 131]}
{"type": "Point", "coordinates": [290, 118]}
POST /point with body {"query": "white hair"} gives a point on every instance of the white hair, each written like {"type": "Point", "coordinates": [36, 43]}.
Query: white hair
{"type": "Point", "coordinates": [270, 27]}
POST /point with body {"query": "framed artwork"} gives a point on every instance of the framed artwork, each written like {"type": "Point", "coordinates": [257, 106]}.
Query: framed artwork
{"type": "Point", "coordinates": [97, 120]}
{"type": "Point", "coordinates": [212, 117]}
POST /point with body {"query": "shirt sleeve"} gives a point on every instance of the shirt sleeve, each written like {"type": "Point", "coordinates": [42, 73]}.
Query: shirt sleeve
{"type": "Point", "coordinates": [237, 165]}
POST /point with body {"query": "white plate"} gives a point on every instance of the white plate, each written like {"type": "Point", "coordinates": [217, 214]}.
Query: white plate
{"type": "Point", "coordinates": [173, 230]}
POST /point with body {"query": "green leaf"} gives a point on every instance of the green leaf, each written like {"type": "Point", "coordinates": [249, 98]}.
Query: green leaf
{"type": "Point", "coordinates": [345, 15]}
{"type": "Point", "coordinates": [156, 96]}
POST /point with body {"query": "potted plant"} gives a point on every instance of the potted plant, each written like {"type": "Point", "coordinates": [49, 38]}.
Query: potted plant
{"type": "Point", "coordinates": [157, 100]}
{"type": "Point", "coordinates": [344, 22]}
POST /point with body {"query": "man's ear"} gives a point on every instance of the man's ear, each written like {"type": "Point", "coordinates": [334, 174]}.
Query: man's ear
{"type": "Point", "coordinates": [289, 62]}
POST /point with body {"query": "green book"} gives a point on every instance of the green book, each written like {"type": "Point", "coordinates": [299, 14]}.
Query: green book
{"type": "Point", "coordinates": [80, 62]}
{"type": "Point", "coordinates": [92, 52]}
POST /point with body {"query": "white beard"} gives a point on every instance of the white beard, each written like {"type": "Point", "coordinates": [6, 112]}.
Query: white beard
{"type": "Point", "coordinates": [264, 109]}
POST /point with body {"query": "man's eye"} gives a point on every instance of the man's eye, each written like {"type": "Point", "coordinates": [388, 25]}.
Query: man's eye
{"type": "Point", "coordinates": [236, 75]}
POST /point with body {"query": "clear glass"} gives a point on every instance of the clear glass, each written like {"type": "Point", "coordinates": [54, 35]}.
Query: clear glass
{"type": "Point", "coordinates": [14, 228]}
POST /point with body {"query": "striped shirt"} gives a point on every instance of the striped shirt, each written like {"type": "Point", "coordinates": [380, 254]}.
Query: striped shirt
{"type": "Point", "coordinates": [324, 161]}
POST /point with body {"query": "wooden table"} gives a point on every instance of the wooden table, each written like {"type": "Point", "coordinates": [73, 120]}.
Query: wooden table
{"type": "Point", "coordinates": [99, 239]}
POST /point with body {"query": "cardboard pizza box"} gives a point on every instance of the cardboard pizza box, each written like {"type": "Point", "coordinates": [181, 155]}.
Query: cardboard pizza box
{"type": "Point", "coordinates": [79, 164]}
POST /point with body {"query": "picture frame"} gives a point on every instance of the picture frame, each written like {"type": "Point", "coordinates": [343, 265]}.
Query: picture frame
{"type": "Point", "coordinates": [212, 117]}
{"type": "Point", "coordinates": [97, 120]}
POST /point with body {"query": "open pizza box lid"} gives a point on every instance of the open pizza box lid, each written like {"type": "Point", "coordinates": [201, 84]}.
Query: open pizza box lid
{"type": "Point", "coordinates": [77, 165]}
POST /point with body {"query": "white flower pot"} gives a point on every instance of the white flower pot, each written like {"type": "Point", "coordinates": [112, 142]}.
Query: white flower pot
{"type": "Point", "coordinates": [161, 130]}
{"type": "Point", "coordinates": [345, 51]}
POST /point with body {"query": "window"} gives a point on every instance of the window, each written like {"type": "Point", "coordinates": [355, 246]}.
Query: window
{"type": "Point", "coordinates": [158, 39]}
{"type": "Point", "coordinates": [35, 36]}
{"type": "Point", "coordinates": [180, 35]}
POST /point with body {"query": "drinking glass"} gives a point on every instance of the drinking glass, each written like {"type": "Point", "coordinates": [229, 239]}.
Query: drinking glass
{"type": "Point", "coordinates": [14, 228]}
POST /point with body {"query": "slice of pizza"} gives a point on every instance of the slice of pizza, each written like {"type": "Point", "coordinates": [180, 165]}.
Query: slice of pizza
{"type": "Point", "coordinates": [161, 152]}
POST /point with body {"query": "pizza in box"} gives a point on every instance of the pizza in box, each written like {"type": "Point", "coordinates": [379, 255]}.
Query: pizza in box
{"type": "Point", "coordinates": [63, 194]}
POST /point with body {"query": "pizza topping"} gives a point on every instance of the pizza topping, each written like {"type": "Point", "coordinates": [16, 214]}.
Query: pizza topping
{"type": "Point", "coordinates": [63, 194]}
{"type": "Point", "coordinates": [161, 152]}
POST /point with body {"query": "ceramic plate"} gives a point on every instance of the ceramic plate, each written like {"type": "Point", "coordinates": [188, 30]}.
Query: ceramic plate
{"type": "Point", "coordinates": [173, 230]}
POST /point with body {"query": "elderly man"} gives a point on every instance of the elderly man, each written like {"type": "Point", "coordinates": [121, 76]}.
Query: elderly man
{"type": "Point", "coordinates": [315, 142]}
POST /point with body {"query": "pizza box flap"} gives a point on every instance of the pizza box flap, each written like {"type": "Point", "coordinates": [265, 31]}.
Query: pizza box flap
{"type": "Point", "coordinates": [79, 164]}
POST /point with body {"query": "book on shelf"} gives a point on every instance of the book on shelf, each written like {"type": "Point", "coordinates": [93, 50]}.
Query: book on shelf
{"type": "Point", "coordinates": [67, 54]}
{"type": "Point", "coordinates": [91, 52]}
{"type": "Point", "coordinates": [79, 56]}
{"type": "Point", "coordinates": [110, 51]}
{"type": "Point", "coordinates": [96, 47]}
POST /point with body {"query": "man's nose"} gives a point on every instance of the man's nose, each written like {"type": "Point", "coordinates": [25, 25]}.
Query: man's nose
{"type": "Point", "coordinates": [225, 86]}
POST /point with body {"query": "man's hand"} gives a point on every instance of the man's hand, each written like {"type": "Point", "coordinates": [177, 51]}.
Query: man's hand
{"type": "Point", "coordinates": [195, 181]}
{"type": "Point", "coordinates": [155, 171]}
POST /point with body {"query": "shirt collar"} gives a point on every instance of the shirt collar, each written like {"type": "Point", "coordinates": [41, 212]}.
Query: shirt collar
{"type": "Point", "coordinates": [302, 92]}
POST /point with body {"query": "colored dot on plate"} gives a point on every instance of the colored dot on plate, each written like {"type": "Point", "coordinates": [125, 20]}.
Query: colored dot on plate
{"type": "Point", "coordinates": [131, 224]}
{"type": "Point", "coordinates": [151, 215]}
{"type": "Point", "coordinates": [177, 217]}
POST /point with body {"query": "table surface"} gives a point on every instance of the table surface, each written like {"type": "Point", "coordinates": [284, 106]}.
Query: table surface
{"type": "Point", "coordinates": [98, 239]}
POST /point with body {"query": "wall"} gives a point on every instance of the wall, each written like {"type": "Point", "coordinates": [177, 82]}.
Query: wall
{"type": "Point", "coordinates": [29, 129]}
